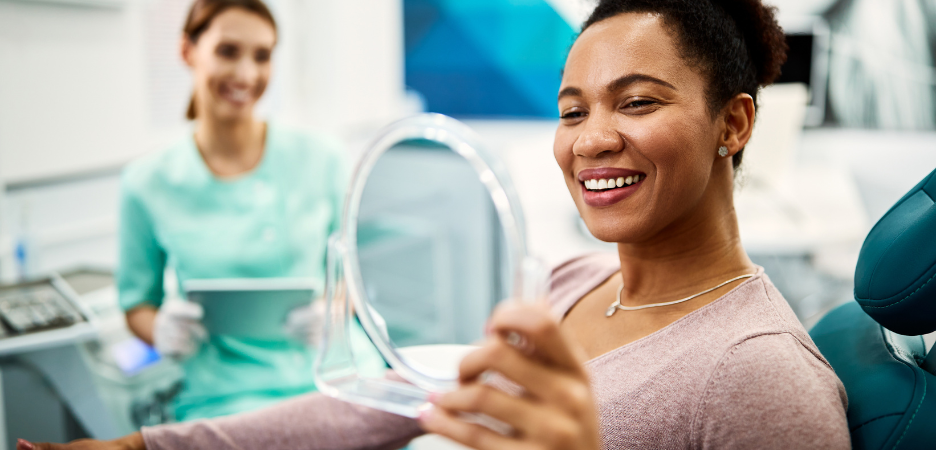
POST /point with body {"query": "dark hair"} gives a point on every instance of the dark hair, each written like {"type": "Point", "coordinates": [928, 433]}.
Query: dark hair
{"type": "Point", "coordinates": [203, 12]}
{"type": "Point", "coordinates": [737, 44]}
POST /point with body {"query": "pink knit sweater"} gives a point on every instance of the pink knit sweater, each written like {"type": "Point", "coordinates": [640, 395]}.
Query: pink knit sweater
{"type": "Point", "coordinates": [740, 372]}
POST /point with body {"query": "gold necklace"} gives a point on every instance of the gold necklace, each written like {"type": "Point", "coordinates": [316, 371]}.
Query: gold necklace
{"type": "Point", "coordinates": [617, 304]}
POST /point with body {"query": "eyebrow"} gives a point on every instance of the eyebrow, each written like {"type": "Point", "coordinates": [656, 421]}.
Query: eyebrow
{"type": "Point", "coordinates": [570, 92]}
{"type": "Point", "coordinates": [628, 80]}
{"type": "Point", "coordinates": [618, 84]}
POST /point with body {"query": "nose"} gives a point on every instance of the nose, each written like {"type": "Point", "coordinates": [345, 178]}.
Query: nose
{"type": "Point", "coordinates": [599, 136]}
{"type": "Point", "coordinates": [246, 71]}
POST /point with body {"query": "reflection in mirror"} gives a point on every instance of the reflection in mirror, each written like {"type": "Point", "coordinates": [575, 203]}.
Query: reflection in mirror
{"type": "Point", "coordinates": [429, 246]}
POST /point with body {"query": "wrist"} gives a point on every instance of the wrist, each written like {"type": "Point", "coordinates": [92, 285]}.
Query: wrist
{"type": "Point", "coordinates": [132, 441]}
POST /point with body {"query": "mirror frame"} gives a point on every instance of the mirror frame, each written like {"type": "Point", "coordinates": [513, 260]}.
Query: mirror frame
{"type": "Point", "coordinates": [493, 175]}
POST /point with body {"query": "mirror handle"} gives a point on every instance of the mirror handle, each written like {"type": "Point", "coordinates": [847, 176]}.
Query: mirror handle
{"type": "Point", "coordinates": [534, 280]}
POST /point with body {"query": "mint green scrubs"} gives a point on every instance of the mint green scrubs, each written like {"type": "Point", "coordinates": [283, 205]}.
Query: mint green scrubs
{"type": "Point", "coordinates": [271, 222]}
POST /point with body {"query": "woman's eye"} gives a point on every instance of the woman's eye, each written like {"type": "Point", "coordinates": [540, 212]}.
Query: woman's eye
{"type": "Point", "coordinates": [227, 51]}
{"type": "Point", "coordinates": [639, 104]}
{"type": "Point", "coordinates": [262, 56]}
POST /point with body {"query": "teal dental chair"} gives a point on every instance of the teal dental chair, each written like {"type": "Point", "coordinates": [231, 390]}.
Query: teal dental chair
{"type": "Point", "coordinates": [874, 343]}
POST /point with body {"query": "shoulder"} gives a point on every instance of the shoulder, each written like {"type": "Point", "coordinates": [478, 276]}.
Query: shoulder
{"type": "Point", "coordinates": [572, 279]}
{"type": "Point", "coordinates": [753, 308]}
{"type": "Point", "coordinates": [151, 170]}
{"type": "Point", "coordinates": [770, 357]}
{"type": "Point", "coordinates": [772, 390]}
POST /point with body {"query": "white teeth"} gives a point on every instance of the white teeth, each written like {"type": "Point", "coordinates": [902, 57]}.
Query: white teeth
{"type": "Point", "coordinates": [239, 95]}
{"type": "Point", "coordinates": [611, 183]}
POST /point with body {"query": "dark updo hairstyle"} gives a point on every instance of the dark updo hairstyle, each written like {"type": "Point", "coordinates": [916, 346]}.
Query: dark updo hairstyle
{"type": "Point", "coordinates": [737, 44]}
{"type": "Point", "coordinates": [203, 12]}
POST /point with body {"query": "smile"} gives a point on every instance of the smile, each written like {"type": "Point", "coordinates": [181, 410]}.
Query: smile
{"type": "Point", "coordinates": [608, 185]}
{"type": "Point", "coordinates": [602, 184]}
{"type": "Point", "coordinates": [236, 95]}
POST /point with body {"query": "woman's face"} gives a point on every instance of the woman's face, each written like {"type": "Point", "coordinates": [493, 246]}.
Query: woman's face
{"type": "Point", "coordinates": [633, 110]}
{"type": "Point", "coordinates": [231, 63]}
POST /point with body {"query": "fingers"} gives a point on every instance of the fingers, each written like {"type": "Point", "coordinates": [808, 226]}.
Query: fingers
{"type": "Point", "coordinates": [183, 309]}
{"type": "Point", "coordinates": [439, 421]}
{"type": "Point", "coordinates": [541, 331]}
{"type": "Point", "coordinates": [177, 330]}
{"type": "Point", "coordinates": [565, 389]}
{"type": "Point", "coordinates": [484, 399]}
{"type": "Point", "coordinates": [198, 331]}
{"type": "Point", "coordinates": [303, 321]}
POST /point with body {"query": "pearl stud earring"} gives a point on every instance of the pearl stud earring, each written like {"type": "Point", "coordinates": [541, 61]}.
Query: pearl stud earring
{"type": "Point", "coordinates": [723, 151]}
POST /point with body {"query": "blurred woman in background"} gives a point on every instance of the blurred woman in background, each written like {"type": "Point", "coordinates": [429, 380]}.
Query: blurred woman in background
{"type": "Point", "coordinates": [241, 198]}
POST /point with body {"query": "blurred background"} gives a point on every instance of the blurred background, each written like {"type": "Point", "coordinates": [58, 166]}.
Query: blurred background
{"type": "Point", "coordinates": [88, 85]}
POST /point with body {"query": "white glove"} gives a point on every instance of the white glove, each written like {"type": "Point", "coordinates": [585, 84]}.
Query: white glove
{"type": "Point", "coordinates": [304, 322]}
{"type": "Point", "coordinates": [178, 331]}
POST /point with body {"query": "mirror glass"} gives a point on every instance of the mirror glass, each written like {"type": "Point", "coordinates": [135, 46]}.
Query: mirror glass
{"type": "Point", "coordinates": [431, 241]}
{"type": "Point", "coordinates": [429, 247]}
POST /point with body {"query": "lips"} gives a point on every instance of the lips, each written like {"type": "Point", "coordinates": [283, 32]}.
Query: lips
{"type": "Point", "coordinates": [238, 96]}
{"type": "Point", "coordinates": [608, 185]}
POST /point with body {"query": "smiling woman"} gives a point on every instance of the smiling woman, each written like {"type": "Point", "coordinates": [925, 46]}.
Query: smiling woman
{"type": "Point", "coordinates": [685, 342]}
{"type": "Point", "coordinates": [241, 198]}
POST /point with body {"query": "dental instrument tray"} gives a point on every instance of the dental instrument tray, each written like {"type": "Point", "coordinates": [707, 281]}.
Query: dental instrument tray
{"type": "Point", "coordinates": [249, 307]}
{"type": "Point", "coordinates": [41, 313]}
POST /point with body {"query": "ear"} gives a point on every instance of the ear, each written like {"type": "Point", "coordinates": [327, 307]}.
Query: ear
{"type": "Point", "coordinates": [739, 123]}
{"type": "Point", "coordinates": [187, 51]}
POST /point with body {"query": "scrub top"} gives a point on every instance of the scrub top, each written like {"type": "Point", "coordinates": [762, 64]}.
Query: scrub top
{"type": "Point", "coordinates": [271, 222]}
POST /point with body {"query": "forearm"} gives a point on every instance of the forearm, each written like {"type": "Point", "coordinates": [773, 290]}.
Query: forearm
{"type": "Point", "coordinates": [132, 441]}
{"type": "Point", "coordinates": [309, 422]}
{"type": "Point", "coordinates": [140, 321]}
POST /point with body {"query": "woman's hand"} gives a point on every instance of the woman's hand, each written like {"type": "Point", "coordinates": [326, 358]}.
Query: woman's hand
{"type": "Point", "coordinates": [555, 412]}
{"type": "Point", "coordinates": [304, 323]}
{"type": "Point", "coordinates": [130, 442]}
{"type": "Point", "coordinates": [177, 329]}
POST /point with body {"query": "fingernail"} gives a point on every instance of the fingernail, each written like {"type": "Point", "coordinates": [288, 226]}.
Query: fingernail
{"type": "Point", "coordinates": [424, 415]}
{"type": "Point", "coordinates": [22, 444]}
{"type": "Point", "coordinates": [434, 397]}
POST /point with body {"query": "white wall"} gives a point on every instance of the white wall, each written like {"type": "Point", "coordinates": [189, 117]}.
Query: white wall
{"type": "Point", "coordinates": [72, 93]}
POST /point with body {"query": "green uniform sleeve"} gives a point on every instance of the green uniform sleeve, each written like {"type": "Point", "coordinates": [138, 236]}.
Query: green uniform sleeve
{"type": "Point", "coordinates": [142, 260]}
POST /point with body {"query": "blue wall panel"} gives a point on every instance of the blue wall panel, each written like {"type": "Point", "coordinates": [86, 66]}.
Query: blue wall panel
{"type": "Point", "coordinates": [486, 58]}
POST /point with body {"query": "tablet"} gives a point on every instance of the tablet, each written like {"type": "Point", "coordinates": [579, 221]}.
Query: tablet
{"type": "Point", "coordinates": [249, 307]}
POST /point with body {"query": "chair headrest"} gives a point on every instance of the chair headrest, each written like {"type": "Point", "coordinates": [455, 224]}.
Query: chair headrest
{"type": "Point", "coordinates": [895, 280]}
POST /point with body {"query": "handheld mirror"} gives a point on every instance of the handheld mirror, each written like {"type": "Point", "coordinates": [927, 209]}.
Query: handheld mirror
{"type": "Point", "coordinates": [431, 240]}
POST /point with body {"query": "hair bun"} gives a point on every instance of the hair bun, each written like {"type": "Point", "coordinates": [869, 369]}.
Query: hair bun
{"type": "Point", "coordinates": [763, 36]}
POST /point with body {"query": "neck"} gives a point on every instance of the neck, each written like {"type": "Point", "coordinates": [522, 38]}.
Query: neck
{"type": "Point", "coordinates": [695, 255]}
{"type": "Point", "coordinates": [230, 147]}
